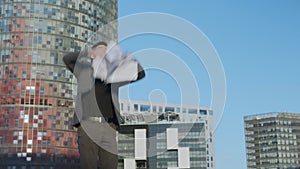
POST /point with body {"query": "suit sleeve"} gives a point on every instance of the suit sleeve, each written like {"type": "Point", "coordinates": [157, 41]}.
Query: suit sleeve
{"type": "Point", "coordinates": [70, 60]}
{"type": "Point", "coordinates": [141, 72]}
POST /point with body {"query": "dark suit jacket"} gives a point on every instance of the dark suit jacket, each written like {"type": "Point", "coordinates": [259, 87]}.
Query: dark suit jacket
{"type": "Point", "coordinates": [94, 94]}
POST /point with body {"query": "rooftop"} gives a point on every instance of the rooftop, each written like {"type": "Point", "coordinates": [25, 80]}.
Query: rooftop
{"type": "Point", "coordinates": [272, 114]}
{"type": "Point", "coordinates": [145, 112]}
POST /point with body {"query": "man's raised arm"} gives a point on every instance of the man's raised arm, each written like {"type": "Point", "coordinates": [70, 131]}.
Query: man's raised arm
{"type": "Point", "coordinates": [70, 60]}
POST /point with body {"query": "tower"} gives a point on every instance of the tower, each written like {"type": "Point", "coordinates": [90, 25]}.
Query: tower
{"type": "Point", "coordinates": [272, 140]}
{"type": "Point", "coordinates": [37, 91]}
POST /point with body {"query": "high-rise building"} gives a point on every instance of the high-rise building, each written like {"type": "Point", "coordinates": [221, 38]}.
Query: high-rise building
{"type": "Point", "coordinates": [158, 135]}
{"type": "Point", "coordinates": [273, 141]}
{"type": "Point", "coordinates": [36, 90]}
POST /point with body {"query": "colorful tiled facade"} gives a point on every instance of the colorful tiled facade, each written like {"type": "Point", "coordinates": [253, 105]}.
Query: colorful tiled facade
{"type": "Point", "coordinates": [36, 90]}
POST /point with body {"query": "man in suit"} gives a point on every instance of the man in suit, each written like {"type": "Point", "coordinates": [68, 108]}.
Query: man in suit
{"type": "Point", "coordinates": [100, 72]}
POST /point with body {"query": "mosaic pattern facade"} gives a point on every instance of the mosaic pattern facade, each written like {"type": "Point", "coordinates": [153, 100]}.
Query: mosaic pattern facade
{"type": "Point", "coordinates": [36, 97]}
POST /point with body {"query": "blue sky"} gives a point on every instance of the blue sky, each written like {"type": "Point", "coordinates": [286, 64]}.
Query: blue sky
{"type": "Point", "coordinates": [258, 43]}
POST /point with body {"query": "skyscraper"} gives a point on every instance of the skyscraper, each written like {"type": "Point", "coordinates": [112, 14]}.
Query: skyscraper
{"type": "Point", "coordinates": [36, 98]}
{"type": "Point", "coordinates": [273, 140]}
{"type": "Point", "coordinates": [158, 135]}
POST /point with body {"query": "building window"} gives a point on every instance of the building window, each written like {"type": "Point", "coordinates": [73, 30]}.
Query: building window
{"type": "Point", "coordinates": [192, 111]}
{"type": "Point", "coordinates": [22, 101]}
{"type": "Point", "coordinates": [41, 90]}
{"type": "Point", "coordinates": [17, 123]}
{"type": "Point", "coordinates": [154, 109]}
{"type": "Point", "coordinates": [1, 139]}
{"type": "Point", "coordinates": [145, 108]}
{"type": "Point", "coordinates": [24, 74]}
{"type": "Point", "coordinates": [141, 164]}
{"type": "Point", "coordinates": [203, 112]}
{"type": "Point", "coordinates": [136, 107]}
{"type": "Point", "coordinates": [31, 89]}
{"type": "Point", "coordinates": [169, 109]}
{"type": "Point", "coordinates": [160, 109]}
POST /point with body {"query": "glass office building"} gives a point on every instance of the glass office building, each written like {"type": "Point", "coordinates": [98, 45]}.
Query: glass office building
{"type": "Point", "coordinates": [273, 141]}
{"type": "Point", "coordinates": [168, 136]}
{"type": "Point", "coordinates": [36, 97]}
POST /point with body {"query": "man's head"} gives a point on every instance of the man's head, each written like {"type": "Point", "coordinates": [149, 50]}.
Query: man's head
{"type": "Point", "coordinates": [98, 50]}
